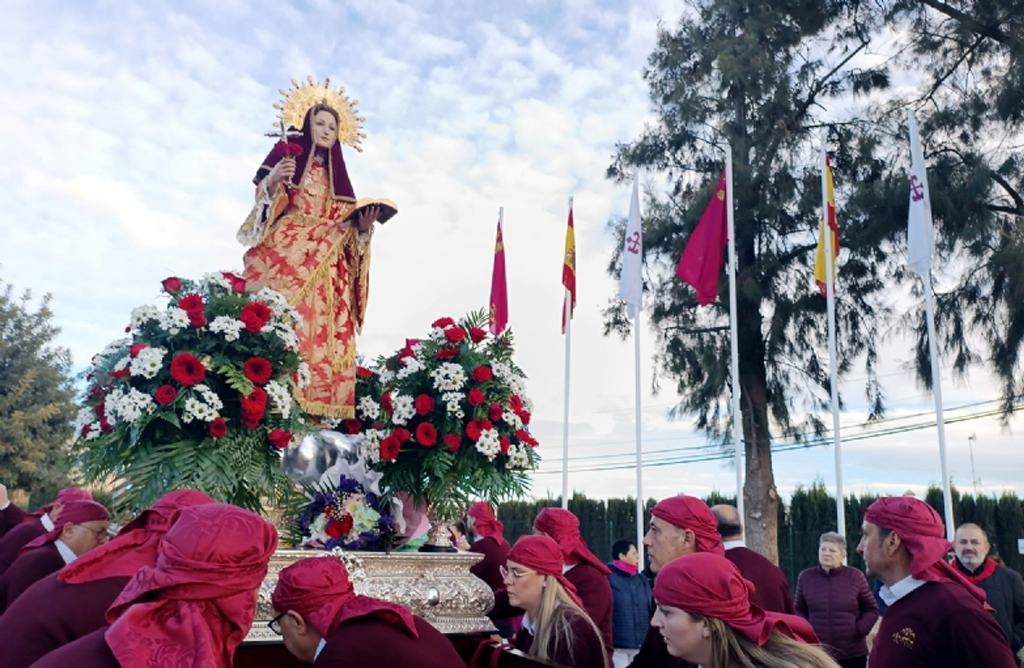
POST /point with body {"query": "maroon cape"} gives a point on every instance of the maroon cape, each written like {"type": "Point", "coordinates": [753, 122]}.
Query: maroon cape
{"type": "Point", "coordinates": [27, 570]}
{"type": "Point", "coordinates": [51, 614]}
{"type": "Point", "coordinates": [90, 651]}
{"type": "Point", "coordinates": [586, 650]}
{"type": "Point", "coordinates": [370, 641]}
{"type": "Point", "coordinates": [595, 591]}
{"type": "Point", "coordinates": [17, 538]}
{"type": "Point", "coordinates": [771, 591]}
{"type": "Point", "coordinates": [10, 517]}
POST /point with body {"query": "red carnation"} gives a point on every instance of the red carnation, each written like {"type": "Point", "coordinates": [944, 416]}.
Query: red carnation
{"type": "Point", "coordinates": [424, 404]}
{"type": "Point", "coordinates": [453, 441]}
{"type": "Point", "coordinates": [515, 404]}
{"type": "Point", "coordinates": [105, 426]}
{"type": "Point", "coordinates": [525, 437]}
{"type": "Point", "coordinates": [86, 429]}
{"type": "Point", "coordinates": [187, 369]}
{"type": "Point", "coordinates": [353, 426]}
{"type": "Point", "coordinates": [455, 334]}
{"type": "Point", "coordinates": [406, 352]}
{"type": "Point", "coordinates": [385, 403]}
{"type": "Point", "coordinates": [197, 319]}
{"type": "Point", "coordinates": [505, 445]}
{"type": "Point", "coordinates": [447, 353]}
{"type": "Point", "coordinates": [258, 370]}
{"type": "Point", "coordinates": [165, 394]}
{"type": "Point", "coordinates": [237, 282]}
{"type": "Point", "coordinates": [389, 448]}
{"type": "Point", "coordinates": [476, 397]}
{"type": "Point", "coordinates": [485, 425]}
{"type": "Point", "coordinates": [280, 438]}
{"type": "Point", "coordinates": [191, 303]}
{"type": "Point", "coordinates": [495, 412]}
{"type": "Point", "coordinates": [426, 435]}
{"type": "Point", "coordinates": [293, 150]}
{"type": "Point", "coordinates": [473, 430]}
{"type": "Point", "coordinates": [339, 528]}
{"type": "Point", "coordinates": [172, 284]}
{"type": "Point", "coordinates": [403, 435]}
{"type": "Point", "coordinates": [255, 316]}
{"type": "Point", "coordinates": [123, 373]}
{"type": "Point", "coordinates": [442, 323]}
{"type": "Point", "coordinates": [135, 349]}
{"type": "Point", "coordinates": [476, 335]}
{"type": "Point", "coordinates": [482, 374]}
{"type": "Point", "coordinates": [524, 416]}
{"type": "Point", "coordinates": [363, 372]}
{"type": "Point", "coordinates": [99, 409]}
{"type": "Point", "coordinates": [253, 407]}
{"type": "Point", "coordinates": [218, 427]}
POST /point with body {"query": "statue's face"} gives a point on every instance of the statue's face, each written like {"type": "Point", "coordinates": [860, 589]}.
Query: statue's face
{"type": "Point", "coordinates": [325, 129]}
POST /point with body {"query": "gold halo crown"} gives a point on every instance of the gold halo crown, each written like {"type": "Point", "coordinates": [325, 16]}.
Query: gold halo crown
{"type": "Point", "coordinates": [302, 97]}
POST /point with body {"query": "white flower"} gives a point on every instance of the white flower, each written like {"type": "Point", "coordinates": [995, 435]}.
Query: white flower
{"type": "Point", "coordinates": [417, 349]}
{"type": "Point", "coordinates": [229, 327]}
{"type": "Point", "coordinates": [329, 422]}
{"type": "Point", "coordinates": [148, 362]}
{"type": "Point", "coordinates": [448, 377]}
{"type": "Point", "coordinates": [122, 363]}
{"type": "Point", "coordinates": [173, 320]}
{"type": "Point", "coordinates": [209, 396]}
{"type": "Point", "coordinates": [197, 410]}
{"type": "Point", "coordinates": [411, 366]}
{"type": "Point", "coordinates": [281, 397]}
{"type": "Point", "coordinates": [129, 406]}
{"type": "Point", "coordinates": [404, 408]}
{"type": "Point", "coordinates": [527, 403]}
{"type": "Point", "coordinates": [142, 315]}
{"type": "Point", "coordinates": [216, 278]}
{"type": "Point", "coordinates": [304, 374]}
{"type": "Point", "coordinates": [84, 418]}
{"type": "Point", "coordinates": [489, 444]}
{"type": "Point", "coordinates": [371, 445]}
{"type": "Point", "coordinates": [513, 419]}
{"type": "Point", "coordinates": [436, 334]}
{"type": "Point", "coordinates": [287, 334]}
{"type": "Point", "coordinates": [386, 376]}
{"type": "Point", "coordinates": [94, 431]}
{"type": "Point", "coordinates": [368, 408]}
{"type": "Point", "coordinates": [517, 457]}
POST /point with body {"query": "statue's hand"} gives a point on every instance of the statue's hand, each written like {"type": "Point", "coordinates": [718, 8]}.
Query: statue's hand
{"type": "Point", "coordinates": [367, 217]}
{"type": "Point", "coordinates": [283, 170]}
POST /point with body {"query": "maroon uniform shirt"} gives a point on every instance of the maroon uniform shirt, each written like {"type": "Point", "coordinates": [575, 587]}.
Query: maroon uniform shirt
{"type": "Point", "coordinates": [771, 586]}
{"type": "Point", "coordinates": [17, 538]}
{"type": "Point", "coordinates": [90, 651]}
{"type": "Point", "coordinates": [595, 591]}
{"type": "Point", "coordinates": [369, 641]}
{"type": "Point", "coordinates": [10, 517]}
{"type": "Point", "coordinates": [586, 650]}
{"type": "Point", "coordinates": [30, 568]}
{"type": "Point", "coordinates": [51, 614]}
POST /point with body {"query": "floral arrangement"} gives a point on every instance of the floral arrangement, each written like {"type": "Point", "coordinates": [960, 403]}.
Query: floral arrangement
{"type": "Point", "coordinates": [199, 395]}
{"type": "Point", "coordinates": [346, 516]}
{"type": "Point", "coordinates": [446, 419]}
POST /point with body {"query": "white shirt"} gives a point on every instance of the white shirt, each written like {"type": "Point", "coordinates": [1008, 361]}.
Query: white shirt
{"type": "Point", "coordinates": [528, 623]}
{"type": "Point", "coordinates": [65, 551]}
{"type": "Point", "coordinates": [319, 648]}
{"type": "Point", "coordinates": [729, 544]}
{"type": "Point", "coordinates": [47, 522]}
{"type": "Point", "coordinates": [4, 507]}
{"type": "Point", "coordinates": [894, 593]}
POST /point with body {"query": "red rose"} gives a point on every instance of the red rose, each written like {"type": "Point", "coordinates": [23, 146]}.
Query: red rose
{"type": "Point", "coordinates": [525, 437]}
{"type": "Point", "coordinates": [172, 284]}
{"type": "Point", "coordinates": [123, 373]}
{"type": "Point", "coordinates": [280, 438]}
{"type": "Point", "coordinates": [524, 416]}
{"type": "Point", "coordinates": [505, 445]}
{"type": "Point", "coordinates": [453, 441]}
{"type": "Point", "coordinates": [389, 449]}
{"type": "Point", "coordinates": [476, 397]}
{"type": "Point", "coordinates": [218, 427]}
{"type": "Point", "coordinates": [353, 426]}
{"type": "Point", "coordinates": [187, 369]}
{"type": "Point", "coordinates": [258, 370]}
{"type": "Point", "coordinates": [406, 352]}
{"type": "Point", "coordinates": [473, 431]}
{"type": "Point", "coordinates": [482, 374]}
{"type": "Point", "coordinates": [424, 404]}
{"type": "Point", "coordinates": [455, 334]}
{"type": "Point", "coordinates": [442, 323]}
{"type": "Point", "coordinates": [363, 372]}
{"type": "Point", "coordinates": [385, 403]}
{"type": "Point", "coordinates": [190, 303]}
{"type": "Point", "coordinates": [197, 319]}
{"type": "Point", "coordinates": [485, 425]}
{"type": "Point", "coordinates": [403, 435]}
{"type": "Point", "coordinates": [165, 394]}
{"type": "Point", "coordinates": [293, 150]}
{"type": "Point", "coordinates": [515, 404]}
{"type": "Point", "coordinates": [426, 435]}
{"type": "Point", "coordinates": [339, 528]}
{"type": "Point", "coordinates": [447, 353]}
{"type": "Point", "coordinates": [237, 282]}
{"type": "Point", "coordinates": [135, 349]}
{"type": "Point", "coordinates": [476, 335]}
{"type": "Point", "coordinates": [495, 412]}
{"type": "Point", "coordinates": [255, 316]}
{"type": "Point", "coordinates": [105, 426]}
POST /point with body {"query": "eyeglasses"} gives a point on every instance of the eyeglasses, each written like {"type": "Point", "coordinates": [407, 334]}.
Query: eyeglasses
{"type": "Point", "coordinates": [516, 574]}
{"type": "Point", "coordinates": [275, 623]}
{"type": "Point", "coordinates": [101, 534]}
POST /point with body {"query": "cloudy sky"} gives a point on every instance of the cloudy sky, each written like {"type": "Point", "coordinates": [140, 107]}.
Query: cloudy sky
{"type": "Point", "coordinates": [134, 129]}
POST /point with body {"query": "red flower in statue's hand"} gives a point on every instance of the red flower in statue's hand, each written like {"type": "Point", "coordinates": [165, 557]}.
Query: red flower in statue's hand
{"type": "Point", "coordinates": [135, 349]}
{"type": "Point", "coordinates": [280, 438]}
{"type": "Point", "coordinates": [403, 435]}
{"type": "Point", "coordinates": [258, 370]}
{"type": "Point", "coordinates": [525, 437]}
{"type": "Point", "coordinates": [171, 284]}
{"type": "Point", "coordinates": [363, 372]}
{"type": "Point", "coordinates": [453, 441]}
{"type": "Point", "coordinates": [505, 445]}
{"type": "Point", "coordinates": [389, 448]}
{"type": "Point", "coordinates": [255, 316]}
{"type": "Point", "coordinates": [218, 427]}
{"type": "Point", "coordinates": [482, 374]}
{"type": "Point", "coordinates": [292, 150]}
{"type": "Point", "coordinates": [353, 426]}
{"type": "Point", "coordinates": [165, 394]}
{"type": "Point", "coordinates": [237, 282]}
{"type": "Point", "coordinates": [495, 412]}
{"type": "Point", "coordinates": [187, 369]}
{"type": "Point", "coordinates": [476, 397]}
{"type": "Point", "coordinates": [454, 334]}
{"type": "Point", "coordinates": [442, 323]}
{"type": "Point", "coordinates": [447, 353]}
{"type": "Point", "coordinates": [476, 335]}
{"type": "Point", "coordinates": [339, 528]}
{"type": "Point", "coordinates": [426, 435]}
{"type": "Point", "coordinates": [190, 303]}
{"type": "Point", "coordinates": [424, 404]}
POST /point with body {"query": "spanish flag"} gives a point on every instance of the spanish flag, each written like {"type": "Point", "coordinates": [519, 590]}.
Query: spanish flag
{"type": "Point", "coordinates": [499, 288]}
{"type": "Point", "coordinates": [819, 263]}
{"type": "Point", "coordinates": [569, 270]}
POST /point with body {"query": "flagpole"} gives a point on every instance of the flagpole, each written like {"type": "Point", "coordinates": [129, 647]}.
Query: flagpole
{"type": "Point", "coordinates": [639, 450]}
{"type": "Point", "coordinates": [567, 309]}
{"type": "Point", "coordinates": [737, 416]}
{"type": "Point", "coordinates": [832, 370]}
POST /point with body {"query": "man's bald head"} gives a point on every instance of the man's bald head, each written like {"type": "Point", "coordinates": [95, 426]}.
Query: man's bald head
{"type": "Point", "coordinates": [729, 525]}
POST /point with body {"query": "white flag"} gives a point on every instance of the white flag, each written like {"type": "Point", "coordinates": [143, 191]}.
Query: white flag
{"type": "Point", "coordinates": [631, 282]}
{"type": "Point", "coordinates": [920, 235]}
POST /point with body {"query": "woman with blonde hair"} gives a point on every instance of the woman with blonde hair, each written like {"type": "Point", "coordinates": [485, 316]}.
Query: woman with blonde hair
{"type": "Point", "coordinates": [555, 627]}
{"type": "Point", "coordinates": [705, 615]}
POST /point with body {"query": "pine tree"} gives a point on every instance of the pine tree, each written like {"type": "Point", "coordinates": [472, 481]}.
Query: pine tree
{"type": "Point", "coordinates": [36, 397]}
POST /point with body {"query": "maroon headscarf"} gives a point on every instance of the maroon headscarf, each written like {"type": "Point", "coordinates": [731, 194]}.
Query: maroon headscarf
{"type": "Point", "coordinates": [543, 555]}
{"type": "Point", "coordinates": [196, 605]}
{"type": "Point", "coordinates": [336, 170]}
{"type": "Point", "coordinates": [75, 512]}
{"type": "Point", "coordinates": [486, 523]}
{"type": "Point", "coordinates": [137, 545]}
{"type": "Point", "coordinates": [65, 496]}
{"type": "Point", "coordinates": [704, 583]}
{"type": "Point", "coordinates": [923, 533]}
{"type": "Point", "coordinates": [318, 588]}
{"type": "Point", "coordinates": [689, 512]}
{"type": "Point", "coordinates": [564, 528]}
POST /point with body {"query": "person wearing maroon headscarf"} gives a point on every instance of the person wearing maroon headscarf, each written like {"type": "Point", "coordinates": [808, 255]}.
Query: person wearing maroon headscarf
{"type": "Point", "coordinates": [585, 571]}
{"type": "Point", "coordinates": [24, 528]}
{"type": "Point", "coordinates": [935, 617]}
{"type": "Point", "coordinates": [326, 624]}
{"type": "Point", "coordinates": [193, 607]}
{"type": "Point", "coordinates": [556, 626]}
{"type": "Point", "coordinates": [72, 603]}
{"type": "Point", "coordinates": [771, 586]}
{"type": "Point", "coordinates": [486, 535]}
{"type": "Point", "coordinates": [705, 616]}
{"type": "Point", "coordinates": [10, 514]}
{"type": "Point", "coordinates": [680, 525]}
{"type": "Point", "coordinates": [81, 526]}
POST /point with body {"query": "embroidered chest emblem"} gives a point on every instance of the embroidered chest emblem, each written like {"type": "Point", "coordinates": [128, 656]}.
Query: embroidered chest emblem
{"type": "Point", "coordinates": [904, 637]}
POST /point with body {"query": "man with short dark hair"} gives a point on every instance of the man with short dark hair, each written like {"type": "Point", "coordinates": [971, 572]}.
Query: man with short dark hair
{"type": "Point", "coordinates": [1004, 588]}
{"type": "Point", "coordinates": [771, 591]}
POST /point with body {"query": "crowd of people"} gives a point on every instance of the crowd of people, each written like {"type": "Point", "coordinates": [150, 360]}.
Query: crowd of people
{"type": "Point", "coordinates": [179, 585]}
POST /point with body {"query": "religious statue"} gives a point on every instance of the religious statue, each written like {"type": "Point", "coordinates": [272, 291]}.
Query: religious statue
{"type": "Point", "coordinates": [309, 239]}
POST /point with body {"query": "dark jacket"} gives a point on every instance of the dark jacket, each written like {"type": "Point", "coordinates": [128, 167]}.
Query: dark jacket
{"type": "Point", "coordinates": [771, 588]}
{"type": "Point", "coordinates": [631, 608]}
{"type": "Point", "coordinates": [840, 607]}
{"type": "Point", "coordinates": [1004, 591]}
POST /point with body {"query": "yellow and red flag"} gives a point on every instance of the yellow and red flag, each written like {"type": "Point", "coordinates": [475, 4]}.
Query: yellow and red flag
{"type": "Point", "coordinates": [569, 271]}
{"type": "Point", "coordinates": [819, 262]}
{"type": "Point", "coordinates": [499, 288]}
